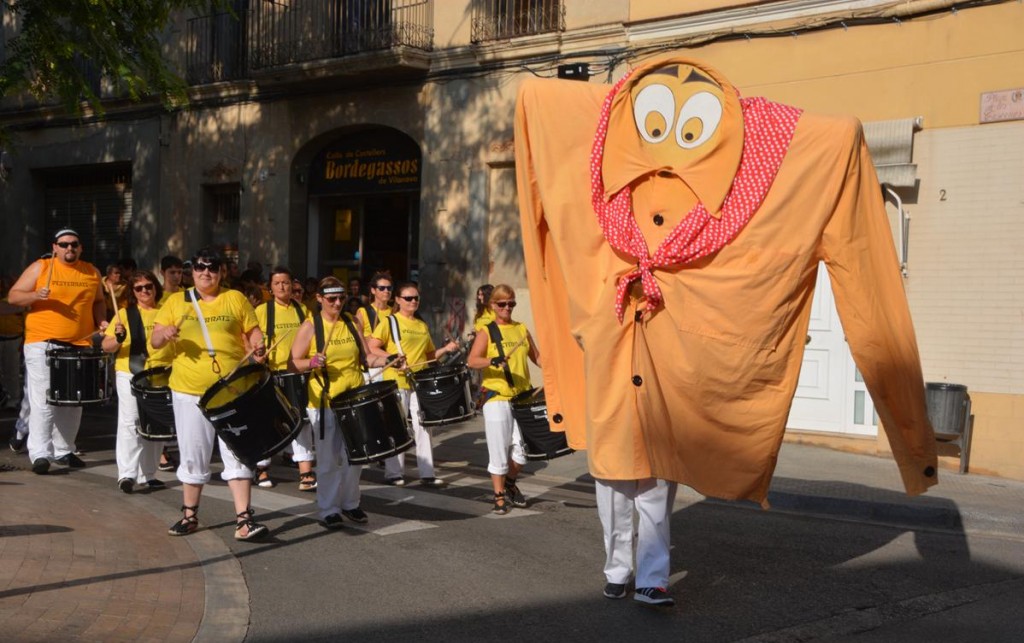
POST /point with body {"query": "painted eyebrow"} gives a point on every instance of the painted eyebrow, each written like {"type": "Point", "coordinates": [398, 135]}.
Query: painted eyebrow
{"type": "Point", "coordinates": [666, 71]}
{"type": "Point", "coordinates": [697, 77]}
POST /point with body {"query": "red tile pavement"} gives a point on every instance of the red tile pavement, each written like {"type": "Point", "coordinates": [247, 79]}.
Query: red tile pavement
{"type": "Point", "coordinates": [79, 561]}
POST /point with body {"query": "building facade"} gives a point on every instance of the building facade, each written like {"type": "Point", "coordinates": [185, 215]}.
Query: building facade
{"type": "Point", "coordinates": [343, 137]}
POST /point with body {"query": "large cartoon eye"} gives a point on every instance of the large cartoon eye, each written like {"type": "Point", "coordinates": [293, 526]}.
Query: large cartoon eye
{"type": "Point", "coordinates": [653, 110]}
{"type": "Point", "coordinates": [698, 120]}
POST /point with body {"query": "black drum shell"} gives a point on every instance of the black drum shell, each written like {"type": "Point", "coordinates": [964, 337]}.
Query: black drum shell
{"type": "Point", "coordinates": [295, 387]}
{"type": "Point", "coordinates": [256, 424]}
{"type": "Point", "coordinates": [530, 411]}
{"type": "Point", "coordinates": [156, 412]}
{"type": "Point", "coordinates": [78, 376]}
{"type": "Point", "coordinates": [372, 422]}
{"type": "Point", "coordinates": [444, 394]}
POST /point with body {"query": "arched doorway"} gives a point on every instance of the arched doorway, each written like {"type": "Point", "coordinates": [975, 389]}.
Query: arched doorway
{"type": "Point", "coordinates": [364, 195]}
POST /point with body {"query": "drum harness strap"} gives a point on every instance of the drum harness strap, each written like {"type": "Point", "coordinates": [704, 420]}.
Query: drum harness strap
{"type": "Point", "coordinates": [271, 305]}
{"type": "Point", "coordinates": [371, 315]}
{"type": "Point", "coordinates": [137, 351]}
{"type": "Point", "coordinates": [495, 333]}
{"type": "Point", "coordinates": [191, 296]}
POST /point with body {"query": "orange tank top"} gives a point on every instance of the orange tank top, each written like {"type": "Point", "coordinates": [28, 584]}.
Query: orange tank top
{"type": "Point", "coordinates": [67, 314]}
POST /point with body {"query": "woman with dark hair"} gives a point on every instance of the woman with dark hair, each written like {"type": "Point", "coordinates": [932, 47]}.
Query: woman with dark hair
{"type": "Point", "coordinates": [484, 315]}
{"type": "Point", "coordinates": [403, 334]}
{"type": "Point", "coordinates": [333, 356]}
{"type": "Point", "coordinates": [127, 336]}
{"type": "Point", "coordinates": [212, 330]}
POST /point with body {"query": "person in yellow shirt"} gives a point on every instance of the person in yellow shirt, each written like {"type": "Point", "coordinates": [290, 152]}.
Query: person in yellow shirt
{"type": "Point", "coordinates": [407, 336]}
{"type": "Point", "coordinates": [65, 299]}
{"type": "Point", "coordinates": [501, 350]}
{"type": "Point", "coordinates": [332, 349]}
{"type": "Point", "coordinates": [484, 314]}
{"type": "Point", "coordinates": [172, 270]}
{"type": "Point", "coordinates": [370, 316]}
{"type": "Point", "coordinates": [128, 337]}
{"type": "Point", "coordinates": [212, 330]}
{"type": "Point", "coordinates": [280, 319]}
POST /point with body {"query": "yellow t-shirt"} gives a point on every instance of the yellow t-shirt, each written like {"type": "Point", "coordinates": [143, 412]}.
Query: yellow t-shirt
{"type": "Point", "coordinates": [157, 356]}
{"type": "Point", "coordinates": [493, 379]}
{"type": "Point", "coordinates": [382, 316]}
{"type": "Point", "coordinates": [67, 313]}
{"type": "Point", "coordinates": [343, 368]}
{"type": "Point", "coordinates": [416, 343]}
{"type": "Point", "coordinates": [485, 318]}
{"type": "Point", "coordinates": [286, 324]}
{"type": "Point", "coordinates": [227, 317]}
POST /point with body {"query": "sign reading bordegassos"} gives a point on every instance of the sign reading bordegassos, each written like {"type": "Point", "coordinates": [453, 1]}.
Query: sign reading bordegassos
{"type": "Point", "coordinates": [378, 160]}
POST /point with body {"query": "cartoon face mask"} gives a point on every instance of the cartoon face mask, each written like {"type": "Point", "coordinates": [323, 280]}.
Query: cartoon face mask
{"type": "Point", "coordinates": [677, 111]}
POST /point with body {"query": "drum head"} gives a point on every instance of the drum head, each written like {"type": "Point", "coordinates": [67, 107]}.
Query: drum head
{"type": "Point", "coordinates": [439, 372]}
{"type": "Point", "coordinates": [152, 379]}
{"type": "Point", "coordinates": [366, 393]}
{"type": "Point", "coordinates": [230, 391]}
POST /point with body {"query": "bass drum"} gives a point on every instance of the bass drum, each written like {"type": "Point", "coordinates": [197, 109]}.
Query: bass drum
{"type": "Point", "coordinates": [530, 411]}
{"type": "Point", "coordinates": [444, 395]}
{"type": "Point", "coordinates": [153, 397]}
{"type": "Point", "coordinates": [251, 414]}
{"type": "Point", "coordinates": [372, 422]}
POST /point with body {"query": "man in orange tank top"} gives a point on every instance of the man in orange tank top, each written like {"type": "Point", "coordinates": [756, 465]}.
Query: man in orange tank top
{"type": "Point", "coordinates": [65, 300]}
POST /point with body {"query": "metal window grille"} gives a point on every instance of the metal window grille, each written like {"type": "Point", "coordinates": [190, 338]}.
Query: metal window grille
{"type": "Point", "coordinates": [505, 19]}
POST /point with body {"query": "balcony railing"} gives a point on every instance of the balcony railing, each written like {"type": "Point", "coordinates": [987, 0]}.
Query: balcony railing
{"type": "Point", "coordinates": [506, 19]}
{"type": "Point", "coordinates": [271, 34]}
{"type": "Point", "coordinates": [301, 31]}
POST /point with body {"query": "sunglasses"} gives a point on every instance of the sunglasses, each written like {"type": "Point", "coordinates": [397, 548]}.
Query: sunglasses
{"type": "Point", "coordinates": [141, 287]}
{"type": "Point", "coordinates": [504, 304]}
{"type": "Point", "coordinates": [388, 288]}
{"type": "Point", "coordinates": [68, 244]}
{"type": "Point", "coordinates": [332, 299]}
{"type": "Point", "coordinates": [412, 298]}
{"type": "Point", "coordinates": [199, 266]}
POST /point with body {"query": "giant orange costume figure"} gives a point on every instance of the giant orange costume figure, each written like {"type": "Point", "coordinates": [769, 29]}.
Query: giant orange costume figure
{"type": "Point", "coordinates": [672, 232]}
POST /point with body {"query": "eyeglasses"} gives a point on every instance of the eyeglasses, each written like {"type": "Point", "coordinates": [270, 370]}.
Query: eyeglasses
{"type": "Point", "coordinates": [67, 244]}
{"type": "Point", "coordinates": [141, 287]}
{"type": "Point", "coordinates": [388, 288]}
{"type": "Point", "coordinates": [333, 299]}
{"type": "Point", "coordinates": [199, 266]}
{"type": "Point", "coordinates": [412, 298]}
{"type": "Point", "coordinates": [504, 304]}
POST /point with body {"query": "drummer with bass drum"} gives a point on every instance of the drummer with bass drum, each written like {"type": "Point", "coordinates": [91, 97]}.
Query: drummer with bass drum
{"type": "Point", "coordinates": [127, 336]}
{"type": "Point", "coordinates": [212, 330]}
{"type": "Point", "coordinates": [64, 295]}
{"type": "Point", "coordinates": [500, 350]}
{"type": "Point", "coordinates": [404, 335]}
{"type": "Point", "coordinates": [333, 351]}
{"type": "Point", "coordinates": [279, 319]}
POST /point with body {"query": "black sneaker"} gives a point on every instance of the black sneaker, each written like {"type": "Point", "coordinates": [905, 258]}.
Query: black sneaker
{"type": "Point", "coordinates": [334, 521]}
{"type": "Point", "coordinates": [653, 596]}
{"type": "Point", "coordinates": [514, 495]}
{"type": "Point", "coordinates": [71, 460]}
{"type": "Point", "coordinates": [395, 482]}
{"type": "Point", "coordinates": [40, 466]}
{"type": "Point", "coordinates": [436, 483]}
{"type": "Point", "coordinates": [155, 484]}
{"type": "Point", "coordinates": [355, 515]}
{"type": "Point", "coordinates": [126, 485]}
{"type": "Point", "coordinates": [615, 590]}
{"type": "Point", "coordinates": [17, 444]}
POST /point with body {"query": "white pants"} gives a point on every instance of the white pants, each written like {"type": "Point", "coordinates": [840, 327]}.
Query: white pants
{"type": "Point", "coordinates": [652, 500]}
{"type": "Point", "coordinates": [337, 481]}
{"type": "Point", "coordinates": [10, 367]}
{"type": "Point", "coordinates": [21, 424]}
{"type": "Point", "coordinates": [394, 467]}
{"type": "Point", "coordinates": [52, 429]}
{"type": "Point", "coordinates": [301, 446]}
{"type": "Point", "coordinates": [502, 432]}
{"type": "Point", "coordinates": [136, 457]}
{"type": "Point", "coordinates": [195, 444]}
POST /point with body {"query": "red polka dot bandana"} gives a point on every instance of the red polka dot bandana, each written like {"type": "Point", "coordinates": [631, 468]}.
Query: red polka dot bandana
{"type": "Point", "coordinates": [768, 129]}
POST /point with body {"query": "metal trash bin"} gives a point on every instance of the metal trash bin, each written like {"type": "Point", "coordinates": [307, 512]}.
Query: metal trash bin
{"type": "Point", "coordinates": [947, 408]}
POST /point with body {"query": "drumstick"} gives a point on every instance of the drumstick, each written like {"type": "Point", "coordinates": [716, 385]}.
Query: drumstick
{"type": "Point", "coordinates": [49, 277]}
{"type": "Point", "coordinates": [254, 349]}
{"type": "Point", "coordinates": [113, 298]}
{"type": "Point", "coordinates": [327, 342]}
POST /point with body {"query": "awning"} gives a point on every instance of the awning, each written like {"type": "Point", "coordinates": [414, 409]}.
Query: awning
{"type": "Point", "coordinates": [891, 144]}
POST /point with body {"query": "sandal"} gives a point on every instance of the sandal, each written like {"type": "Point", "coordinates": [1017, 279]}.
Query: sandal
{"type": "Point", "coordinates": [254, 529]}
{"type": "Point", "coordinates": [500, 504]}
{"type": "Point", "coordinates": [187, 524]}
{"type": "Point", "coordinates": [262, 478]}
{"type": "Point", "coordinates": [307, 481]}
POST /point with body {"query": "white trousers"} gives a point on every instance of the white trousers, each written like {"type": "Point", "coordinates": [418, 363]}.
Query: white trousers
{"type": "Point", "coordinates": [52, 429]}
{"type": "Point", "coordinates": [10, 367]}
{"type": "Point", "coordinates": [337, 481]}
{"type": "Point", "coordinates": [394, 467]}
{"type": "Point", "coordinates": [136, 457]}
{"type": "Point", "coordinates": [195, 444]}
{"type": "Point", "coordinates": [652, 500]}
{"type": "Point", "coordinates": [502, 432]}
{"type": "Point", "coordinates": [21, 424]}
